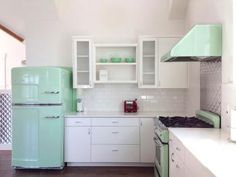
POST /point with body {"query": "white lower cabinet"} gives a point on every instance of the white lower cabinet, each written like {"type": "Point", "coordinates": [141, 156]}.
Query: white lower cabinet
{"type": "Point", "coordinates": [77, 144]}
{"type": "Point", "coordinates": [182, 163]}
{"type": "Point", "coordinates": [115, 153]}
{"type": "Point", "coordinates": [128, 140]}
{"type": "Point", "coordinates": [147, 146]}
{"type": "Point", "coordinates": [176, 164]}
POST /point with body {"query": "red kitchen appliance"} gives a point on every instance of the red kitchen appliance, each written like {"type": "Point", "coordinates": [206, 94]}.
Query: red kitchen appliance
{"type": "Point", "coordinates": [130, 106]}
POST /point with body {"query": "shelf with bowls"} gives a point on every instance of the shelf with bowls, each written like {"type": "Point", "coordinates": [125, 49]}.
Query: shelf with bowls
{"type": "Point", "coordinates": [116, 63]}
{"type": "Point", "coordinates": [117, 82]}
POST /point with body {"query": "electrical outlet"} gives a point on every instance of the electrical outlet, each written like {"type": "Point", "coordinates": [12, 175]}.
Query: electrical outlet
{"type": "Point", "coordinates": [150, 97]}
{"type": "Point", "coordinates": [143, 97]}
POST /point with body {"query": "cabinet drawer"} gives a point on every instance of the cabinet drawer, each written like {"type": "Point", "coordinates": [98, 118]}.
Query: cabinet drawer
{"type": "Point", "coordinates": [77, 122]}
{"type": "Point", "coordinates": [176, 164]}
{"type": "Point", "coordinates": [115, 135]}
{"type": "Point", "coordinates": [115, 153]}
{"type": "Point", "coordinates": [177, 146]}
{"type": "Point", "coordinates": [115, 122]}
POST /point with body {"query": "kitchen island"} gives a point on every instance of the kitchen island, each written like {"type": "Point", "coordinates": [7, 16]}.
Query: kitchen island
{"type": "Point", "coordinates": [207, 150]}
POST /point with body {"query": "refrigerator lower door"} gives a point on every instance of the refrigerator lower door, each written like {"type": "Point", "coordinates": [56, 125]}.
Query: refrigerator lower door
{"type": "Point", "coordinates": [37, 137]}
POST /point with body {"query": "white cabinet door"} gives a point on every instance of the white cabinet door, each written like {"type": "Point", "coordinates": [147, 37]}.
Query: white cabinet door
{"type": "Point", "coordinates": [147, 142]}
{"type": "Point", "coordinates": [171, 74]}
{"type": "Point", "coordinates": [82, 62]}
{"type": "Point", "coordinates": [148, 61]}
{"type": "Point", "coordinates": [77, 144]}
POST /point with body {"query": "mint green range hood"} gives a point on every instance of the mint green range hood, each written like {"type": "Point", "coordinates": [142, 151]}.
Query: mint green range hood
{"type": "Point", "coordinates": [201, 43]}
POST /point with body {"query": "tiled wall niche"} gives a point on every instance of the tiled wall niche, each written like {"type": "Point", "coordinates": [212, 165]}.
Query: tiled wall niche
{"type": "Point", "coordinates": [210, 83]}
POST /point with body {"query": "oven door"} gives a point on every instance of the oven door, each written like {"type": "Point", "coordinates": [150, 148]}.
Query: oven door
{"type": "Point", "coordinates": [161, 158]}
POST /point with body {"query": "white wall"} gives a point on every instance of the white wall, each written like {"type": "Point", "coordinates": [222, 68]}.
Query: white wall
{"type": "Point", "coordinates": [216, 11]}
{"type": "Point", "coordinates": [15, 51]}
{"type": "Point", "coordinates": [48, 41]}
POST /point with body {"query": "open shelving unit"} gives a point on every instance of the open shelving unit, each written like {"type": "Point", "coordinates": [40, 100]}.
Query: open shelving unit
{"type": "Point", "coordinates": [118, 73]}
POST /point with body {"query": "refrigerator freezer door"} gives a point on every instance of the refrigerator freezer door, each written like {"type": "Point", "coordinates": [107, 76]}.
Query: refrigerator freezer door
{"type": "Point", "coordinates": [41, 85]}
{"type": "Point", "coordinates": [37, 136]}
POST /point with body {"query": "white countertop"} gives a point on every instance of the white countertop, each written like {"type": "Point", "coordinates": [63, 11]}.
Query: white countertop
{"type": "Point", "coordinates": [211, 147]}
{"type": "Point", "coordinates": [107, 114]}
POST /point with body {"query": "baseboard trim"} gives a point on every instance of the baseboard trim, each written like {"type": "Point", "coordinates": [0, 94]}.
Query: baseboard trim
{"type": "Point", "coordinates": [111, 164]}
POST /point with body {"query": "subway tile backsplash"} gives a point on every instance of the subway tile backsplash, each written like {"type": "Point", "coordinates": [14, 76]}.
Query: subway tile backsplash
{"type": "Point", "coordinates": [111, 97]}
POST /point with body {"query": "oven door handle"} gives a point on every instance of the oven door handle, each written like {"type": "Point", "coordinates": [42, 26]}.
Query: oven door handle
{"type": "Point", "coordinates": [158, 142]}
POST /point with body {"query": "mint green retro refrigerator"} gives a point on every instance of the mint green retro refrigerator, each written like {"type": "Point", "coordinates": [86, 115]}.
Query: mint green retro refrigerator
{"type": "Point", "coordinates": [40, 96]}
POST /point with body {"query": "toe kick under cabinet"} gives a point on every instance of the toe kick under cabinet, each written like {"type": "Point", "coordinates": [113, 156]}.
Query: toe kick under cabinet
{"type": "Point", "coordinates": [109, 140]}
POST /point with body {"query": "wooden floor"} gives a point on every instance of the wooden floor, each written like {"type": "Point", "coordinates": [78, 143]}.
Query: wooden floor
{"type": "Point", "coordinates": [7, 171]}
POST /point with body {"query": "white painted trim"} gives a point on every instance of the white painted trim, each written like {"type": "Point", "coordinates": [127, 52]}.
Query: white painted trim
{"type": "Point", "coordinates": [5, 147]}
{"type": "Point", "coordinates": [115, 45]}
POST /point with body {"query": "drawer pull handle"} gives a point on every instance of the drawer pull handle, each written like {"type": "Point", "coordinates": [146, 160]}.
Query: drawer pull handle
{"type": "Point", "coordinates": [115, 122]}
{"type": "Point", "coordinates": [172, 154]}
{"type": "Point", "coordinates": [178, 149]}
{"type": "Point", "coordinates": [115, 132]}
{"type": "Point", "coordinates": [78, 122]}
{"type": "Point", "coordinates": [115, 150]}
{"type": "Point", "coordinates": [52, 117]}
{"type": "Point", "coordinates": [89, 131]}
{"type": "Point", "coordinates": [51, 92]}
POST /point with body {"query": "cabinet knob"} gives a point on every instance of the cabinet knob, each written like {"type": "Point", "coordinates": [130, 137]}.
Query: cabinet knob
{"type": "Point", "coordinates": [89, 131]}
{"type": "Point", "coordinates": [172, 154]}
{"type": "Point", "coordinates": [178, 149]}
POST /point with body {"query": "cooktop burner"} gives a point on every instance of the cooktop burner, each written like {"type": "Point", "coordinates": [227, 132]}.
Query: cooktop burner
{"type": "Point", "coordinates": [184, 122]}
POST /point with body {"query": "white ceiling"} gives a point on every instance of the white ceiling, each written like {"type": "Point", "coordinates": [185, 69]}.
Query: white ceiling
{"type": "Point", "coordinates": [15, 14]}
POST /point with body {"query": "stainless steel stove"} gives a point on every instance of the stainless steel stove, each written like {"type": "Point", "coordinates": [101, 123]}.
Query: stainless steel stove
{"type": "Point", "coordinates": [203, 119]}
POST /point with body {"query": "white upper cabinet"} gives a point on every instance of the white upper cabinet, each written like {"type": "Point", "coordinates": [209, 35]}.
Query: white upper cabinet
{"type": "Point", "coordinates": [148, 61]}
{"type": "Point", "coordinates": [82, 62]}
{"type": "Point", "coordinates": [171, 74]}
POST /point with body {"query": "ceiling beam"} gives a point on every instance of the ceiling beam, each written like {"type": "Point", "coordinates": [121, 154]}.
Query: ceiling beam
{"type": "Point", "coordinates": [11, 33]}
